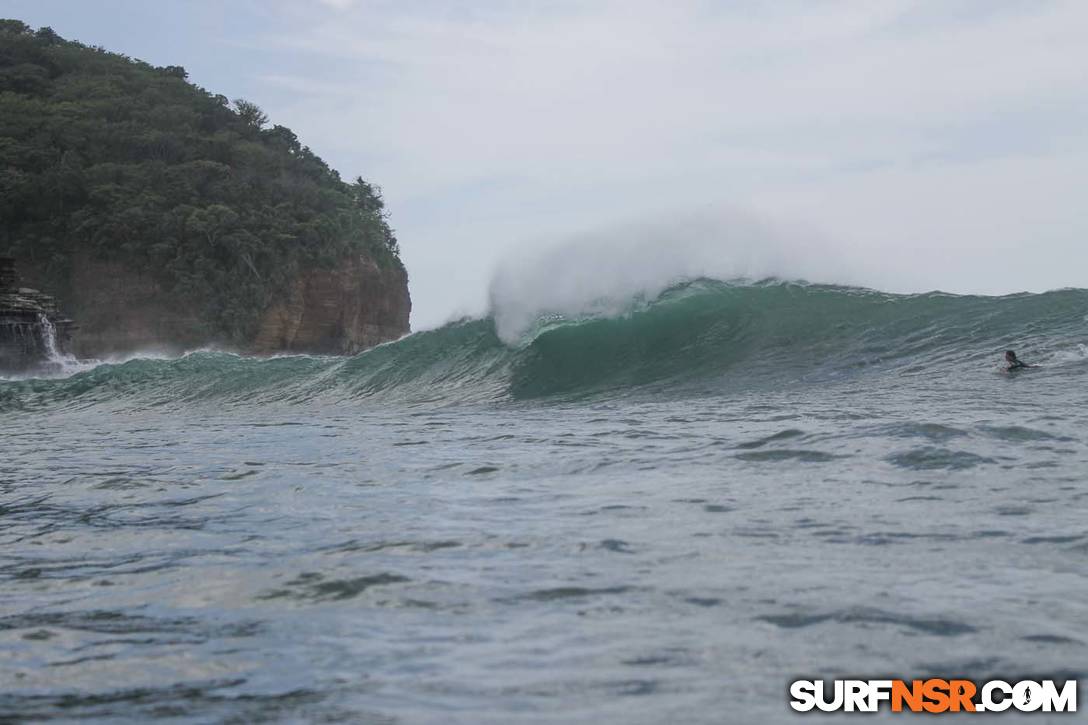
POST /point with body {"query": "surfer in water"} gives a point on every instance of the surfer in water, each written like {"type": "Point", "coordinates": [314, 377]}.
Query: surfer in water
{"type": "Point", "coordinates": [1013, 362]}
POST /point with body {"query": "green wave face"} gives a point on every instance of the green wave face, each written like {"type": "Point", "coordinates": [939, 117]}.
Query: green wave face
{"type": "Point", "coordinates": [696, 338]}
{"type": "Point", "coordinates": [714, 335]}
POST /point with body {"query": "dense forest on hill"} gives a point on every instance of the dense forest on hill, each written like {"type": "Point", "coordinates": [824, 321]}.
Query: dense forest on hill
{"type": "Point", "coordinates": [105, 155]}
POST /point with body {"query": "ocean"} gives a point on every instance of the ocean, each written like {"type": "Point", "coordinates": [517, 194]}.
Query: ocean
{"type": "Point", "coordinates": [661, 513]}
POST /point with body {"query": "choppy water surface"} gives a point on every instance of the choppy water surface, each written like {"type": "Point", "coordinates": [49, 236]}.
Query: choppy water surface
{"type": "Point", "coordinates": [604, 525]}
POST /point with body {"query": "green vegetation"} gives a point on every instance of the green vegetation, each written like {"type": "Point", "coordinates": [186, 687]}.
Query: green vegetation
{"type": "Point", "coordinates": [104, 155]}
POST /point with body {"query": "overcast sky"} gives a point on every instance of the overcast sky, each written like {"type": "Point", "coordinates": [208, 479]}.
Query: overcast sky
{"type": "Point", "coordinates": [932, 143]}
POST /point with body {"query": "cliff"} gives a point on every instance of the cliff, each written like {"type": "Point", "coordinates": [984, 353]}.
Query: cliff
{"type": "Point", "coordinates": [338, 311]}
{"type": "Point", "coordinates": [32, 330]}
{"type": "Point", "coordinates": [123, 309]}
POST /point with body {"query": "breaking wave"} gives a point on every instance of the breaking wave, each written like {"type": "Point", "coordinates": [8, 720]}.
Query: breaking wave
{"type": "Point", "coordinates": [698, 337]}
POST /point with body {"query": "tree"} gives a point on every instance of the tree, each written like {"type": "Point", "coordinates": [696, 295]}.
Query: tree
{"type": "Point", "coordinates": [285, 136]}
{"type": "Point", "coordinates": [250, 113]}
{"type": "Point", "coordinates": [211, 222]}
{"type": "Point", "coordinates": [367, 197]}
{"type": "Point", "coordinates": [14, 27]}
{"type": "Point", "coordinates": [47, 36]}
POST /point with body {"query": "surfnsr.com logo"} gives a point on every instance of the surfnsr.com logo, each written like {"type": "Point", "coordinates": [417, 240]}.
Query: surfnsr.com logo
{"type": "Point", "coordinates": [933, 695]}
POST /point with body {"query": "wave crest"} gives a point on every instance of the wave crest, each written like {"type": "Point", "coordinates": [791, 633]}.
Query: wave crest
{"type": "Point", "coordinates": [703, 335]}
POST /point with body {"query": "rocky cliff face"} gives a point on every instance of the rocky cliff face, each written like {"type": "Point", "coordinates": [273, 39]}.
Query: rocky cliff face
{"type": "Point", "coordinates": [336, 311]}
{"type": "Point", "coordinates": [32, 330]}
{"type": "Point", "coordinates": [123, 310]}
